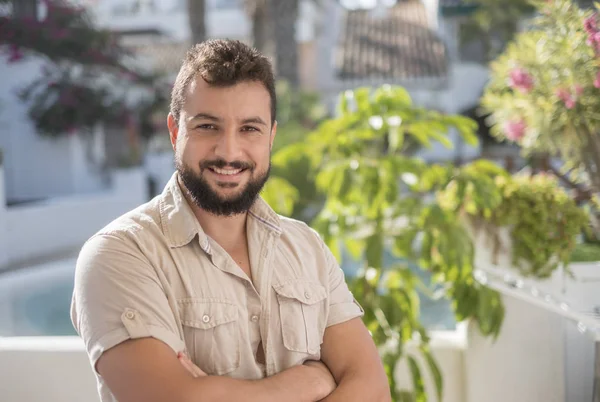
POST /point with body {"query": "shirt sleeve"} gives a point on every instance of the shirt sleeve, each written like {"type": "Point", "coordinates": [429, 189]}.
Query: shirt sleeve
{"type": "Point", "coordinates": [342, 304]}
{"type": "Point", "coordinates": [117, 296]}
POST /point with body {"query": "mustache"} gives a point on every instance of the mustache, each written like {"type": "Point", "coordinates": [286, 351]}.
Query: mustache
{"type": "Point", "coordinates": [222, 164]}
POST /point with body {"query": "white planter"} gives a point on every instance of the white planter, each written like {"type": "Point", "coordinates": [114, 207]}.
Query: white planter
{"type": "Point", "coordinates": [494, 256]}
{"type": "Point", "coordinates": [584, 289]}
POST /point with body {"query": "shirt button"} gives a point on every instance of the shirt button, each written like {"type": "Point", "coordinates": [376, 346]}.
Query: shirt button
{"type": "Point", "coordinates": [205, 318]}
{"type": "Point", "coordinates": [130, 315]}
{"type": "Point", "coordinates": [254, 318]}
{"type": "Point", "coordinates": [307, 295]}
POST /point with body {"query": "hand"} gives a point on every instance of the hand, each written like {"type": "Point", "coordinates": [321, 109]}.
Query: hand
{"type": "Point", "coordinates": [194, 370]}
{"type": "Point", "coordinates": [325, 379]}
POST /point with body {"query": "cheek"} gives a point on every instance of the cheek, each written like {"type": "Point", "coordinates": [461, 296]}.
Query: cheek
{"type": "Point", "coordinates": [261, 155]}
{"type": "Point", "coordinates": [192, 152]}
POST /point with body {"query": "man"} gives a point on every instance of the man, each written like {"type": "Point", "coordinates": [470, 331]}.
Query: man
{"type": "Point", "coordinates": [204, 293]}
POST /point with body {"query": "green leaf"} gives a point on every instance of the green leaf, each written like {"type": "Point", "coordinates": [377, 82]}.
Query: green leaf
{"type": "Point", "coordinates": [435, 372]}
{"type": "Point", "coordinates": [356, 247]}
{"type": "Point", "coordinates": [375, 250]}
{"type": "Point", "coordinates": [280, 195]}
{"type": "Point", "coordinates": [417, 378]}
{"type": "Point", "coordinates": [396, 139]}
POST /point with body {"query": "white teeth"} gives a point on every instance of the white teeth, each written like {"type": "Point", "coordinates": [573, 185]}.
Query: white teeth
{"type": "Point", "coordinates": [227, 171]}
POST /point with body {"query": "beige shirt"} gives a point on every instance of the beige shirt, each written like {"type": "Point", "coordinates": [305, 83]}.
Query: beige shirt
{"type": "Point", "coordinates": [153, 272]}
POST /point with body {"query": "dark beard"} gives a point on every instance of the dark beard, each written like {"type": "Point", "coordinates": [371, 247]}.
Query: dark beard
{"type": "Point", "coordinates": [206, 198]}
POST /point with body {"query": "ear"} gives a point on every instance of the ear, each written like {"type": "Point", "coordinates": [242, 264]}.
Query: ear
{"type": "Point", "coordinates": [173, 129]}
{"type": "Point", "coordinates": [273, 134]}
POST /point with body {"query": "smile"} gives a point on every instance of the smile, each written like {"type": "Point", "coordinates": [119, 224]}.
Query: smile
{"type": "Point", "coordinates": [226, 172]}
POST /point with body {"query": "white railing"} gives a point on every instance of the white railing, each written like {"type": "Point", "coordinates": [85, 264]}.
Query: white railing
{"type": "Point", "coordinates": [62, 223]}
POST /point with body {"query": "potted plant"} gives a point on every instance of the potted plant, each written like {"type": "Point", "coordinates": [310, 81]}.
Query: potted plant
{"type": "Point", "coordinates": [544, 95]}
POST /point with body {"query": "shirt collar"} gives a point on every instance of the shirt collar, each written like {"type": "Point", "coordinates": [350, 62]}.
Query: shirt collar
{"type": "Point", "coordinates": [179, 223]}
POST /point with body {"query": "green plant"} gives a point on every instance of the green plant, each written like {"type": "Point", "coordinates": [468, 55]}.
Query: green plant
{"type": "Point", "coordinates": [542, 219]}
{"type": "Point", "coordinates": [292, 188]}
{"type": "Point", "coordinates": [375, 196]}
{"type": "Point", "coordinates": [378, 197]}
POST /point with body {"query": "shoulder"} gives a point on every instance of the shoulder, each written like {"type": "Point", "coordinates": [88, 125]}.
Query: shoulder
{"type": "Point", "coordinates": [298, 231]}
{"type": "Point", "coordinates": [126, 236]}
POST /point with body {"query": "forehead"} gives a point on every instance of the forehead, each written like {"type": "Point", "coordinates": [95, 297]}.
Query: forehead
{"type": "Point", "coordinates": [247, 98]}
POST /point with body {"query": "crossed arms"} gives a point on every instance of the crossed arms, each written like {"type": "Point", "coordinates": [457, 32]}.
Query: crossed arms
{"type": "Point", "coordinates": [147, 370]}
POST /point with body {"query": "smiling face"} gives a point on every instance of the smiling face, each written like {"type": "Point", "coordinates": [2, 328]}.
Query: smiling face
{"type": "Point", "coordinates": [222, 144]}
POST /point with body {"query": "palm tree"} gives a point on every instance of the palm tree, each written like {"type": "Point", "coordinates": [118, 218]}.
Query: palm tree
{"type": "Point", "coordinates": [285, 15]}
{"type": "Point", "coordinates": [258, 12]}
{"type": "Point", "coordinates": [196, 18]}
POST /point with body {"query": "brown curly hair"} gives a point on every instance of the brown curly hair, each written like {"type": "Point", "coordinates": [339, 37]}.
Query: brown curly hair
{"type": "Point", "coordinates": [223, 62]}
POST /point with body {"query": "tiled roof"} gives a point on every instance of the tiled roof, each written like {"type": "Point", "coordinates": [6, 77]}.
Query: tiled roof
{"type": "Point", "coordinates": [397, 46]}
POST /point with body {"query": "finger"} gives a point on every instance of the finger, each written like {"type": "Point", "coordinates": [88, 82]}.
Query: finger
{"type": "Point", "coordinates": [187, 364]}
{"type": "Point", "coordinates": [196, 370]}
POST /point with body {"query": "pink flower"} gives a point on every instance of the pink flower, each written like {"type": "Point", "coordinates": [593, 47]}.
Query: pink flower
{"type": "Point", "coordinates": [520, 79]}
{"type": "Point", "coordinates": [514, 130]}
{"type": "Point", "coordinates": [597, 80]}
{"type": "Point", "coordinates": [590, 24]}
{"type": "Point", "coordinates": [566, 96]}
{"type": "Point", "coordinates": [14, 54]}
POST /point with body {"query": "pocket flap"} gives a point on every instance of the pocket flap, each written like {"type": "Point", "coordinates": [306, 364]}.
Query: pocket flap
{"type": "Point", "coordinates": [205, 314]}
{"type": "Point", "coordinates": [303, 291]}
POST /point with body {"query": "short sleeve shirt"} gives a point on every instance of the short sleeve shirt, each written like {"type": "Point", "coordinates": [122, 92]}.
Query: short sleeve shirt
{"type": "Point", "coordinates": [153, 272]}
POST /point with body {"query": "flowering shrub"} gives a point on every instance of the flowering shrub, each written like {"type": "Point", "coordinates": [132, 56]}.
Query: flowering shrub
{"type": "Point", "coordinates": [83, 66]}
{"type": "Point", "coordinates": [544, 92]}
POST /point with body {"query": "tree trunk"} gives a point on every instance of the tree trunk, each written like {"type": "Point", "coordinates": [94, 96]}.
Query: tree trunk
{"type": "Point", "coordinates": [285, 15]}
{"type": "Point", "coordinates": [259, 13]}
{"type": "Point", "coordinates": [25, 8]}
{"type": "Point", "coordinates": [196, 18]}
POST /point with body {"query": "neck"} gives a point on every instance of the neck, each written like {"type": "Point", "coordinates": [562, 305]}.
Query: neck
{"type": "Point", "coordinates": [228, 231]}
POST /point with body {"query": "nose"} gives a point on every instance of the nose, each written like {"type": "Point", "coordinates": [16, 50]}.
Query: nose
{"type": "Point", "coordinates": [228, 147]}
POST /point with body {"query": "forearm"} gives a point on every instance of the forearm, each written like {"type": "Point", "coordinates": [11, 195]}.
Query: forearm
{"type": "Point", "coordinates": [360, 387]}
{"type": "Point", "coordinates": [297, 384]}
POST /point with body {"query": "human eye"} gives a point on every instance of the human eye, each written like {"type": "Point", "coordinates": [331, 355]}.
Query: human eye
{"type": "Point", "coordinates": [250, 129]}
{"type": "Point", "coordinates": [206, 127]}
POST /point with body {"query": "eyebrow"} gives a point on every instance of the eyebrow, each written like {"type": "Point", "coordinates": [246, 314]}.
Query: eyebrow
{"type": "Point", "coordinates": [249, 120]}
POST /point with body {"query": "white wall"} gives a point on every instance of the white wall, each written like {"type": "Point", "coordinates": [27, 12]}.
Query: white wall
{"type": "Point", "coordinates": [47, 227]}
{"type": "Point", "coordinates": [34, 166]}
{"type": "Point", "coordinates": [525, 364]}
{"type": "Point", "coordinates": [231, 23]}
{"type": "Point", "coordinates": [160, 166]}
{"type": "Point", "coordinates": [57, 370]}
{"type": "Point", "coordinates": [3, 239]}
{"type": "Point", "coordinates": [45, 370]}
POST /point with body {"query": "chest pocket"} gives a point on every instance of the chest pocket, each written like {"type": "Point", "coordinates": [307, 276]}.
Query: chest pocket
{"type": "Point", "coordinates": [302, 307]}
{"type": "Point", "coordinates": [212, 334]}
